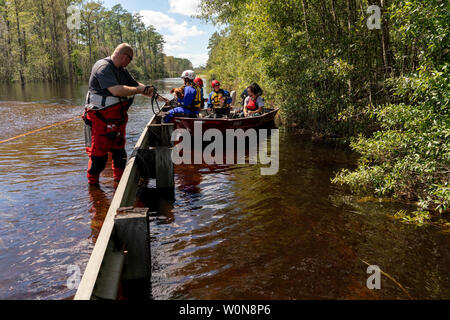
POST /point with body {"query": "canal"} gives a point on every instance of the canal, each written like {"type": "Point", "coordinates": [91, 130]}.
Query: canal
{"type": "Point", "coordinates": [230, 233]}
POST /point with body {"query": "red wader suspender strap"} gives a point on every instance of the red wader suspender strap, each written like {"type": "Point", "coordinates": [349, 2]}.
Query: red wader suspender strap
{"type": "Point", "coordinates": [125, 105]}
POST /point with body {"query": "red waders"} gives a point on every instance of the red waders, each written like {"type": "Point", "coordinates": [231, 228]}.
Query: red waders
{"type": "Point", "coordinates": [105, 132]}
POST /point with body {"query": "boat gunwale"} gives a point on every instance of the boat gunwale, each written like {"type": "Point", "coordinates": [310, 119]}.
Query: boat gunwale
{"type": "Point", "coordinates": [265, 115]}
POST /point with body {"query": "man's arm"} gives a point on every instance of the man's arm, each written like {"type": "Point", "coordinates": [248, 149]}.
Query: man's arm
{"type": "Point", "coordinates": [108, 79]}
{"type": "Point", "coordinates": [126, 91]}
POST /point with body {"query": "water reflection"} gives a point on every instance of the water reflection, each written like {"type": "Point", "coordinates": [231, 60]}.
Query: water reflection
{"type": "Point", "coordinates": [99, 202]}
{"type": "Point", "coordinates": [189, 178]}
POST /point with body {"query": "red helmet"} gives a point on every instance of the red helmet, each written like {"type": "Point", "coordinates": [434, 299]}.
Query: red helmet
{"type": "Point", "coordinates": [199, 82]}
{"type": "Point", "coordinates": [215, 83]}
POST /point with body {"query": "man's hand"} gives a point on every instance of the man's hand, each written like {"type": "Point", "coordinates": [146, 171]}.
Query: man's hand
{"type": "Point", "coordinates": [147, 91]}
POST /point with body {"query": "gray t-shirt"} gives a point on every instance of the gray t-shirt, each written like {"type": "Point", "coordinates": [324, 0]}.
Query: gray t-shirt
{"type": "Point", "coordinates": [105, 75]}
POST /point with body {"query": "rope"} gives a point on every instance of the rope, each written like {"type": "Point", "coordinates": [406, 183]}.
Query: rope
{"type": "Point", "coordinates": [38, 130]}
{"type": "Point", "coordinates": [155, 101]}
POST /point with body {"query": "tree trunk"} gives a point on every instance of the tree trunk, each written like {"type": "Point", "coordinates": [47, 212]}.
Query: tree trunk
{"type": "Point", "coordinates": [69, 48]}
{"type": "Point", "coordinates": [8, 63]}
{"type": "Point", "coordinates": [43, 16]}
{"type": "Point", "coordinates": [21, 49]}
{"type": "Point", "coordinates": [58, 62]}
{"type": "Point", "coordinates": [308, 38]}
{"type": "Point", "coordinates": [120, 31]}
{"type": "Point", "coordinates": [386, 43]}
{"type": "Point", "coordinates": [350, 22]}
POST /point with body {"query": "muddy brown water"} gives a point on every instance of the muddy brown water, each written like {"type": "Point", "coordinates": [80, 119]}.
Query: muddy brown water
{"type": "Point", "coordinates": [230, 234]}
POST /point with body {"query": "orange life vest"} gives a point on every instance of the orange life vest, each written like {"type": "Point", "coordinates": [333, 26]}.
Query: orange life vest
{"type": "Point", "coordinates": [252, 104]}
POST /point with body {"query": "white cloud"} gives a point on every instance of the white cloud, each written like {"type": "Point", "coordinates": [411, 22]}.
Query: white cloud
{"type": "Point", "coordinates": [197, 60]}
{"type": "Point", "coordinates": [177, 33]}
{"type": "Point", "coordinates": [158, 19]}
{"type": "Point", "coordinates": [185, 7]}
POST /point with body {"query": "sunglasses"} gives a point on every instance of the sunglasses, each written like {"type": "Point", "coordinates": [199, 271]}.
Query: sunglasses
{"type": "Point", "coordinates": [131, 58]}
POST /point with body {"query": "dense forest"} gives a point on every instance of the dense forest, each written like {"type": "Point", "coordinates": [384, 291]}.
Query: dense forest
{"type": "Point", "coordinates": [42, 40]}
{"type": "Point", "coordinates": [339, 72]}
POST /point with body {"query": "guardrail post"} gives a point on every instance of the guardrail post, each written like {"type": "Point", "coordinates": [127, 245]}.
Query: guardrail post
{"type": "Point", "coordinates": [165, 181]}
{"type": "Point", "coordinates": [131, 232]}
{"type": "Point", "coordinates": [161, 136]}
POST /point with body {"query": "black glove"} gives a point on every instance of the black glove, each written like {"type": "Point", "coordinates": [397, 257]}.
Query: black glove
{"type": "Point", "coordinates": [147, 90]}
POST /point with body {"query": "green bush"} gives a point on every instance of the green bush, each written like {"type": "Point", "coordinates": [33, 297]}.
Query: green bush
{"type": "Point", "coordinates": [409, 157]}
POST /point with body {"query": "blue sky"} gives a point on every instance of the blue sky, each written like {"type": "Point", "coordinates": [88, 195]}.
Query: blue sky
{"type": "Point", "coordinates": [185, 37]}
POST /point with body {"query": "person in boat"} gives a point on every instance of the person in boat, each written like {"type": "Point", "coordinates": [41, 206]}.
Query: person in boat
{"type": "Point", "coordinates": [110, 95]}
{"type": "Point", "coordinates": [254, 103]}
{"type": "Point", "coordinates": [189, 106]}
{"type": "Point", "coordinates": [199, 82]}
{"type": "Point", "coordinates": [219, 100]}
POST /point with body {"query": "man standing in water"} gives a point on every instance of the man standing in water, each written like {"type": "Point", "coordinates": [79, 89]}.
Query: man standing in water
{"type": "Point", "coordinates": [111, 93]}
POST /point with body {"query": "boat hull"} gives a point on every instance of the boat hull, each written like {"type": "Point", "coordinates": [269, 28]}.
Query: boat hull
{"type": "Point", "coordinates": [265, 120]}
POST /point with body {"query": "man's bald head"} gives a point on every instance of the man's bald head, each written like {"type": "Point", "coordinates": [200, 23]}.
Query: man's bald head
{"type": "Point", "coordinates": [122, 55]}
{"type": "Point", "coordinates": [123, 48]}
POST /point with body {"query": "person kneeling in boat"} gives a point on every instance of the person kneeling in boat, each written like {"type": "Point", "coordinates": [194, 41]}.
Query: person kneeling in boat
{"type": "Point", "coordinates": [254, 103]}
{"type": "Point", "coordinates": [189, 106]}
{"type": "Point", "coordinates": [219, 101]}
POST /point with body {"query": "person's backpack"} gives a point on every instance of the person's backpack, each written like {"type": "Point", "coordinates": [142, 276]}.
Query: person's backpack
{"type": "Point", "coordinates": [244, 96]}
